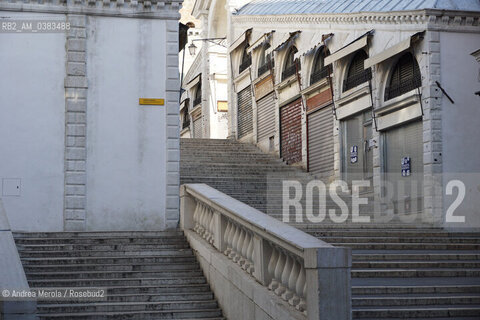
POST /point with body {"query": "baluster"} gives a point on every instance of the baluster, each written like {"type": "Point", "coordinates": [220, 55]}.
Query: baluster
{"type": "Point", "coordinates": [212, 227]}
{"type": "Point", "coordinates": [243, 258]}
{"type": "Point", "coordinates": [234, 241]}
{"type": "Point", "coordinates": [226, 238]}
{"type": "Point", "coordinates": [272, 263]}
{"type": "Point", "coordinates": [302, 306]}
{"type": "Point", "coordinates": [292, 280]}
{"type": "Point", "coordinates": [285, 275]}
{"type": "Point", "coordinates": [278, 271]}
{"type": "Point", "coordinates": [250, 268]}
{"type": "Point", "coordinates": [195, 217]}
{"type": "Point", "coordinates": [295, 300]}
{"type": "Point", "coordinates": [238, 249]}
{"type": "Point", "coordinates": [202, 220]}
{"type": "Point", "coordinates": [206, 224]}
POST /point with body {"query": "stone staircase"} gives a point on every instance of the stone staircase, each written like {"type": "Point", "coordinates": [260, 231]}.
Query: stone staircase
{"type": "Point", "coordinates": [146, 275]}
{"type": "Point", "coordinates": [399, 271]}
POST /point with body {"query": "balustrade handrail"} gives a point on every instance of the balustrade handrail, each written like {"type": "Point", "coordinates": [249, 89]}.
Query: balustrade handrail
{"type": "Point", "coordinates": [290, 262]}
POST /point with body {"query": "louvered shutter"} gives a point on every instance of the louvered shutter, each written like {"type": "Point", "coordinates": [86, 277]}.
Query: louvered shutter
{"type": "Point", "coordinates": [265, 117]}
{"type": "Point", "coordinates": [320, 142]}
{"type": "Point", "coordinates": [245, 112]}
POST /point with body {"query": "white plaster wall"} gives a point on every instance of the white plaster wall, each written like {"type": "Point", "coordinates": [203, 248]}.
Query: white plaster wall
{"type": "Point", "coordinates": [126, 149]}
{"type": "Point", "coordinates": [32, 125]}
{"type": "Point", "coordinates": [460, 126]}
{"type": "Point", "coordinates": [218, 120]}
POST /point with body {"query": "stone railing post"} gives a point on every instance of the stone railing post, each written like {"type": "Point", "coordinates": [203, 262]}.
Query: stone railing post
{"type": "Point", "coordinates": [187, 208]}
{"type": "Point", "coordinates": [328, 283]}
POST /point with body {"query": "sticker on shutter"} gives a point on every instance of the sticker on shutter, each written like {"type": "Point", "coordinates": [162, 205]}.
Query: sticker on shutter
{"type": "Point", "coordinates": [406, 168]}
{"type": "Point", "coordinates": [354, 154]}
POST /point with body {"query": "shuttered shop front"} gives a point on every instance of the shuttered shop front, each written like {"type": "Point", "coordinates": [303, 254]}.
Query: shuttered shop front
{"type": "Point", "coordinates": [320, 142]}
{"type": "Point", "coordinates": [197, 127]}
{"type": "Point", "coordinates": [291, 132]}
{"type": "Point", "coordinates": [266, 117]}
{"type": "Point", "coordinates": [404, 151]}
{"type": "Point", "coordinates": [245, 112]}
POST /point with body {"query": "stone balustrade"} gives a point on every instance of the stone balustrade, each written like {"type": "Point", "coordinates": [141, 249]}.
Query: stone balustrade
{"type": "Point", "coordinates": [310, 275]}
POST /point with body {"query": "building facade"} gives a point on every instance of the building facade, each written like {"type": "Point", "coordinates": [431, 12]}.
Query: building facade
{"type": "Point", "coordinates": [360, 91]}
{"type": "Point", "coordinates": [89, 115]}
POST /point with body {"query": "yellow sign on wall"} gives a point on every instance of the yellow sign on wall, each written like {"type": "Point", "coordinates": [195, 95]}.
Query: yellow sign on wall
{"type": "Point", "coordinates": [151, 102]}
{"type": "Point", "coordinates": [222, 106]}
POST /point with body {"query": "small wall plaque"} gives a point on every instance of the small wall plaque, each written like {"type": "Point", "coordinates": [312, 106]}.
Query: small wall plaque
{"type": "Point", "coordinates": [406, 168]}
{"type": "Point", "coordinates": [151, 102]}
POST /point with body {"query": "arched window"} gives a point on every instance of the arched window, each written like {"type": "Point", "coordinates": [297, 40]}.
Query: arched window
{"type": "Point", "coordinates": [290, 65]}
{"type": "Point", "coordinates": [246, 60]}
{"type": "Point", "coordinates": [265, 62]}
{"type": "Point", "coordinates": [356, 75]}
{"type": "Point", "coordinates": [405, 77]}
{"type": "Point", "coordinates": [198, 94]}
{"type": "Point", "coordinates": [319, 70]}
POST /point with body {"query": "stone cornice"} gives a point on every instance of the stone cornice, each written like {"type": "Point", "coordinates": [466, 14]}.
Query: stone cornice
{"type": "Point", "coordinates": [154, 9]}
{"type": "Point", "coordinates": [430, 18]}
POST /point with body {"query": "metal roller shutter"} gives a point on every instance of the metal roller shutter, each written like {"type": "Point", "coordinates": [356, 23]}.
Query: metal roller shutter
{"type": "Point", "coordinates": [291, 132]}
{"type": "Point", "coordinates": [245, 112]}
{"type": "Point", "coordinates": [197, 127]}
{"type": "Point", "coordinates": [266, 117]}
{"type": "Point", "coordinates": [401, 142]}
{"type": "Point", "coordinates": [320, 142]}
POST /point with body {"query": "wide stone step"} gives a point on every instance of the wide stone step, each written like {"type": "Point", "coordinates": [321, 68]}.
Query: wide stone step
{"type": "Point", "coordinates": [158, 289]}
{"type": "Point", "coordinates": [412, 273]}
{"type": "Point", "coordinates": [407, 312]}
{"type": "Point", "coordinates": [73, 282]}
{"type": "Point", "coordinates": [125, 306]}
{"type": "Point", "coordinates": [179, 258]}
{"type": "Point", "coordinates": [416, 300]}
{"type": "Point", "coordinates": [96, 234]}
{"type": "Point", "coordinates": [424, 256]}
{"type": "Point", "coordinates": [416, 290]}
{"type": "Point", "coordinates": [468, 264]}
{"type": "Point", "coordinates": [213, 314]}
{"type": "Point", "coordinates": [100, 247]}
{"type": "Point", "coordinates": [113, 274]}
{"type": "Point", "coordinates": [103, 253]}
{"type": "Point", "coordinates": [159, 297]}
{"type": "Point", "coordinates": [102, 240]}
{"type": "Point", "coordinates": [406, 246]}
{"type": "Point", "coordinates": [396, 239]}
{"type": "Point", "coordinates": [112, 267]}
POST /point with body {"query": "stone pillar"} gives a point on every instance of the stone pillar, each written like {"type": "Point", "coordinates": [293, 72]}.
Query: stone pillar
{"type": "Point", "coordinates": [173, 127]}
{"type": "Point", "coordinates": [76, 86]}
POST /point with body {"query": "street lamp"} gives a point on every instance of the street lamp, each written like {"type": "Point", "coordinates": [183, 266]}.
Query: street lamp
{"type": "Point", "coordinates": [191, 48]}
{"type": "Point", "coordinates": [218, 41]}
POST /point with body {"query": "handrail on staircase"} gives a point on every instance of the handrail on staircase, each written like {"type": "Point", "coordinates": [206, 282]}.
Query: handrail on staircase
{"type": "Point", "coordinates": [311, 275]}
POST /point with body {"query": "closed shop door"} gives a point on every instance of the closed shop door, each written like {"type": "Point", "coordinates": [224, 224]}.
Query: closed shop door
{"type": "Point", "coordinates": [320, 142]}
{"type": "Point", "coordinates": [291, 132]}
{"type": "Point", "coordinates": [197, 127]}
{"type": "Point", "coordinates": [357, 147]}
{"type": "Point", "coordinates": [266, 117]}
{"type": "Point", "coordinates": [403, 150]}
{"type": "Point", "coordinates": [245, 112]}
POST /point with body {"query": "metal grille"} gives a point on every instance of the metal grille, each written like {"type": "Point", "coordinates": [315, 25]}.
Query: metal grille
{"type": "Point", "coordinates": [291, 132]}
{"type": "Point", "coordinates": [319, 75]}
{"type": "Point", "coordinates": [357, 79]}
{"type": "Point", "coordinates": [266, 66]}
{"type": "Point", "coordinates": [288, 72]}
{"type": "Point", "coordinates": [245, 63]}
{"type": "Point", "coordinates": [320, 142]}
{"type": "Point", "coordinates": [266, 117]}
{"type": "Point", "coordinates": [405, 77]}
{"type": "Point", "coordinates": [245, 112]}
{"type": "Point", "coordinates": [356, 74]}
